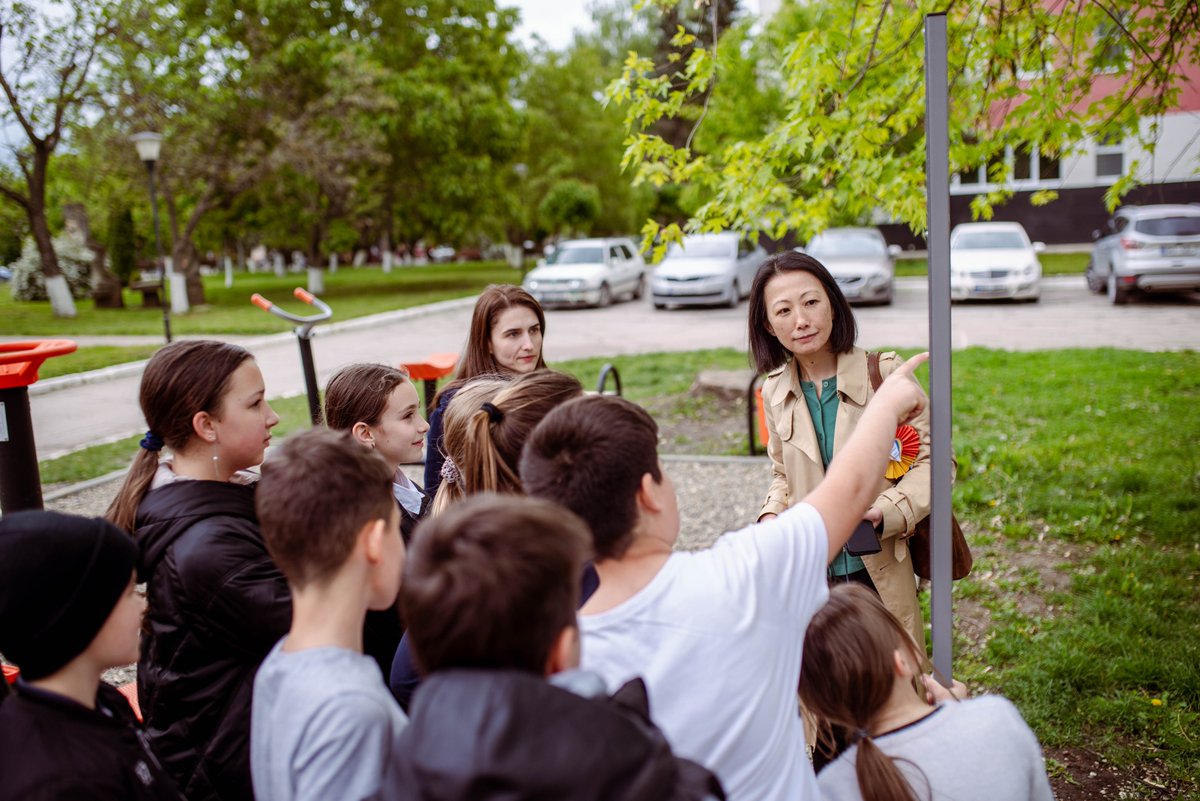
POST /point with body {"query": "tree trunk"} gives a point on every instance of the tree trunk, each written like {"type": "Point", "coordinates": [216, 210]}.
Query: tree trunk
{"type": "Point", "coordinates": [61, 303]}
{"type": "Point", "coordinates": [106, 287]}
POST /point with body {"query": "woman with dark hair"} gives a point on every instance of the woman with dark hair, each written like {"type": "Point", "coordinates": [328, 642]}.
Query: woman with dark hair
{"type": "Point", "coordinates": [802, 334]}
{"type": "Point", "coordinates": [506, 339]}
{"type": "Point", "coordinates": [909, 738]}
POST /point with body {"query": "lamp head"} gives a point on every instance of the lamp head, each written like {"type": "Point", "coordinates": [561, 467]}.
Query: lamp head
{"type": "Point", "coordinates": [148, 145]}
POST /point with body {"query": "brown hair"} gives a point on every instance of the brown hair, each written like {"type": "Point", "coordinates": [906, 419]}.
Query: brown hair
{"type": "Point", "coordinates": [180, 380]}
{"type": "Point", "coordinates": [589, 455]}
{"type": "Point", "coordinates": [455, 422]}
{"type": "Point", "coordinates": [477, 358]}
{"type": "Point", "coordinates": [316, 494]}
{"type": "Point", "coordinates": [485, 445]}
{"type": "Point", "coordinates": [766, 353]}
{"type": "Point", "coordinates": [847, 677]}
{"type": "Point", "coordinates": [359, 394]}
{"type": "Point", "coordinates": [492, 584]}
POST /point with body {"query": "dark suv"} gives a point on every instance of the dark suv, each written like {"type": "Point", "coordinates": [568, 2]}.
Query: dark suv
{"type": "Point", "coordinates": [1147, 249]}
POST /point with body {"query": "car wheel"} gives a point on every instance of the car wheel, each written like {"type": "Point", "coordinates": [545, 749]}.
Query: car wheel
{"type": "Point", "coordinates": [735, 295]}
{"type": "Point", "coordinates": [1117, 295]}
{"type": "Point", "coordinates": [605, 296]}
{"type": "Point", "coordinates": [1094, 284]}
{"type": "Point", "coordinates": [640, 288]}
{"type": "Point", "coordinates": [658, 305]}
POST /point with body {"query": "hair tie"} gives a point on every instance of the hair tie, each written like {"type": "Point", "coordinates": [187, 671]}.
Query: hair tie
{"type": "Point", "coordinates": [449, 472]}
{"type": "Point", "coordinates": [152, 442]}
{"type": "Point", "coordinates": [859, 734]}
{"type": "Point", "coordinates": [494, 414]}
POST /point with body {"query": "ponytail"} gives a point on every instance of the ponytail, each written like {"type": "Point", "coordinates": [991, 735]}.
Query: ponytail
{"type": "Point", "coordinates": [878, 777]}
{"type": "Point", "coordinates": [180, 380]}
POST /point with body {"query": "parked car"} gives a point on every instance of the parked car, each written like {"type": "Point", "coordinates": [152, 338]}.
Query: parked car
{"type": "Point", "coordinates": [441, 253]}
{"type": "Point", "coordinates": [589, 272]}
{"type": "Point", "coordinates": [994, 260]}
{"type": "Point", "coordinates": [1146, 249]}
{"type": "Point", "coordinates": [706, 269]}
{"type": "Point", "coordinates": [5, 274]}
{"type": "Point", "coordinates": [860, 260]}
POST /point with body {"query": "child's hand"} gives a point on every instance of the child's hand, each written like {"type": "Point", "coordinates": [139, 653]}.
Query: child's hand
{"type": "Point", "coordinates": [900, 391]}
{"type": "Point", "coordinates": [935, 693]}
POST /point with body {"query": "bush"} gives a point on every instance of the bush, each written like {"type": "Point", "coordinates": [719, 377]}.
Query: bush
{"type": "Point", "coordinates": [122, 243]}
{"type": "Point", "coordinates": [570, 206]}
{"type": "Point", "coordinates": [74, 259]}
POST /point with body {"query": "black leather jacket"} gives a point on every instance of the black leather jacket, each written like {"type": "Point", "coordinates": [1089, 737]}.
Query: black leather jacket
{"type": "Point", "coordinates": [508, 735]}
{"type": "Point", "coordinates": [217, 604]}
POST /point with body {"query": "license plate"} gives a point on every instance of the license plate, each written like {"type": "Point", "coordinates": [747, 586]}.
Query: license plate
{"type": "Point", "coordinates": [989, 288]}
{"type": "Point", "coordinates": [1180, 250]}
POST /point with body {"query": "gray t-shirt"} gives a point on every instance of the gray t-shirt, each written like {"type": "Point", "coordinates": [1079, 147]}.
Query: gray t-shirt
{"type": "Point", "coordinates": [977, 750]}
{"type": "Point", "coordinates": [323, 725]}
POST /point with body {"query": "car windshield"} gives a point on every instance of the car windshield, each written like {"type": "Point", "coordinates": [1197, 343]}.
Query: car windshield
{"type": "Point", "coordinates": [585, 255]}
{"type": "Point", "coordinates": [701, 249]}
{"type": "Point", "coordinates": [988, 240]}
{"type": "Point", "coordinates": [1169, 226]}
{"type": "Point", "coordinates": [833, 246]}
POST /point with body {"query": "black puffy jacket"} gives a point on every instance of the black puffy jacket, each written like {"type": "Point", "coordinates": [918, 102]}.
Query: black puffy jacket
{"type": "Point", "coordinates": [510, 736]}
{"type": "Point", "coordinates": [217, 605]}
{"type": "Point", "coordinates": [54, 749]}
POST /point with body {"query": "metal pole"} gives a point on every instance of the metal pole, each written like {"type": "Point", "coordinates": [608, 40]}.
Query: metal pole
{"type": "Point", "coordinates": [162, 267]}
{"type": "Point", "coordinates": [937, 171]}
{"type": "Point", "coordinates": [20, 482]}
{"type": "Point", "coordinates": [310, 376]}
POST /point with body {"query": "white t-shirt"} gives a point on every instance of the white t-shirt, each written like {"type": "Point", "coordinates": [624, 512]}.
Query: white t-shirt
{"type": "Point", "coordinates": [717, 636]}
{"type": "Point", "coordinates": [981, 750]}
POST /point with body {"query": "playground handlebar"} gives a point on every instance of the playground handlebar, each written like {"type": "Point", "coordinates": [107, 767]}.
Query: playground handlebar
{"type": "Point", "coordinates": [323, 310]}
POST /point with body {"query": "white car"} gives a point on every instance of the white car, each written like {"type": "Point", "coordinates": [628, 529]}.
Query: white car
{"type": "Point", "coordinates": [706, 269]}
{"type": "Point", "coordinates": [994, 260]}
{"type": "Point", "coordinates": [588, 272]}
{"type": "Point", "coordinates": [859, 259]}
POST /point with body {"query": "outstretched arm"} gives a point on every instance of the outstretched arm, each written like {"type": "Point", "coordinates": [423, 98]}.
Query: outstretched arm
{"type": "Point", "coordinates": [852, 480]}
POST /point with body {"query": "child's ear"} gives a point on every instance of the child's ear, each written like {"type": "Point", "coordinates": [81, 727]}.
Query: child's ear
{"type": "Point", "coordinates": [902, 664]}
{"type": "Point", "coordinates": [203, 427]}
{"type": "Point", "coordinates": [564, 653]}
{"type": "Point", "coordinates": [649, 494]}
{"type": "Point", "coordinates": [371, 537]}
{"type": "Point", "coordinates": [362, 433]}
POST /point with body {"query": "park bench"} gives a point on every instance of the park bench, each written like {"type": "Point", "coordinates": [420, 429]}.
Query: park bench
{"type": "Point", "coordinates": [151, 298]}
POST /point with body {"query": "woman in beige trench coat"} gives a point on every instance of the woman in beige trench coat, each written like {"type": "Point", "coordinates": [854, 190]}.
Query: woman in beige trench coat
{"type": "Point", "coordinates": [802, 330]}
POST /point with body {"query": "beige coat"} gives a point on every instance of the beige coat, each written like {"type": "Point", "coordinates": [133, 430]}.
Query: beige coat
{"type": "Point", "coordinates": [796, 462]}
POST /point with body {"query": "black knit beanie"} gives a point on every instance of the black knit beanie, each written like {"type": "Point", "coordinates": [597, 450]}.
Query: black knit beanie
{"type": "Point", "coordinates": [60, 577]}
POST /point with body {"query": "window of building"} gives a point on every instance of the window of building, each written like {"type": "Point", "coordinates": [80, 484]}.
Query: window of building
{"type": "Point", "coordinates": [1110, 158]}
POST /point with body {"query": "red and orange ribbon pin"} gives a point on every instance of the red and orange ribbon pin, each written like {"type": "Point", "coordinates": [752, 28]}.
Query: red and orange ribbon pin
{"type": "Point", "coordinates": [905, 447]}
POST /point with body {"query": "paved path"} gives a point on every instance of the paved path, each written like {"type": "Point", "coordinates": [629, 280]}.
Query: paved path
{"type": "Point", "coordinates": [69, 417]}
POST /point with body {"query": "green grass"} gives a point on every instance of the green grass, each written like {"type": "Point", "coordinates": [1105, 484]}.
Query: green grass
{"type": "Point", "coordinates": [94, 357]}
{"type": "Point", "coordinates": [351, 293]}
{"type": "Point", "coordinates": [1052, 264]}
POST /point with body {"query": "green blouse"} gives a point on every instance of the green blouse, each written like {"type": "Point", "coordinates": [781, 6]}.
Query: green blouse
{"type": "Point", "coordinates": [823, 411]}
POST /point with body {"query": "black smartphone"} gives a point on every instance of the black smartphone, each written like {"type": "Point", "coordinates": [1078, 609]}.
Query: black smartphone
{"type": "Point", "coordinates": [864, 541]}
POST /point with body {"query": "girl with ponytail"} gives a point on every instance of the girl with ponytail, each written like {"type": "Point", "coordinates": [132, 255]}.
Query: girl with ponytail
{"type": "Point", "coordinates": [910, 739]}
{"type": "Point", "coordinates": [486, 427]}
{"type": "Point", "coordinates": [217, 603]}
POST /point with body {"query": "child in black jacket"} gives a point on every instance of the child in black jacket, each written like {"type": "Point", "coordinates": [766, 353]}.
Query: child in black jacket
{"type": "Point", "coordinates": [69, 610]}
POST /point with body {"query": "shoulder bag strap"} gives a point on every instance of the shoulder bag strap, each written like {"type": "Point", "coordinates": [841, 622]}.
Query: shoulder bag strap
{"type": "Point", "coordinates": [873, 370]}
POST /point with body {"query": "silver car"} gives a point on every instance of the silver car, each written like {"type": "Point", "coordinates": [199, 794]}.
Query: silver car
{"type": "Point", "coordinates": [590, 272]}
{"type": "Point", "coordinates": [1146, 249]}
{"type": "Point", "coordinates": [706, 269]}
{"type": "Point", "coordinates": [860, 260]}
{"type": "Point", "coordinates": [994, 260]}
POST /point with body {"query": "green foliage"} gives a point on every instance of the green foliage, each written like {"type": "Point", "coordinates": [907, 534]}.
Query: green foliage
{"type": "Point", "coordinates": [14, 228]}
{"type": "Point", "coordinates": [570, 207]}
{"type": "Point", "coordinates": [29, 283]}
{"type": "Point", "coordinates": [122, 243]}
{"type": "Point", "coordinates": [834, 129]}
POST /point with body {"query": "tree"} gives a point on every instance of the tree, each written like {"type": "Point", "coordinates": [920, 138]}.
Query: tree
{"type": "Point", "coordinates": [45, 87]}
{"type": "Point", "coordinates": [122, 242]}
{"type": "Point", "coordinates": [849, 140]}
{"type": "Point", "coordinates": [570, 207]}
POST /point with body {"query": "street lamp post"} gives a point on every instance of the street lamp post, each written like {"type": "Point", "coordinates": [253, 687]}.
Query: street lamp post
{"type": "Point", "coordinates": [148, 145]}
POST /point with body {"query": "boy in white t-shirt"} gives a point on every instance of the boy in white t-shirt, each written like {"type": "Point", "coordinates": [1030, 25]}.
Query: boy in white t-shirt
{"type": "Point", "coordinates": [717, 634]}
{"type": "Point", "coordinates": [323, 723]}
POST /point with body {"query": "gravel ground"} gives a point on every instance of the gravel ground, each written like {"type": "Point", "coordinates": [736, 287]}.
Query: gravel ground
{"type": "Point", "coordinates": [740, 483]}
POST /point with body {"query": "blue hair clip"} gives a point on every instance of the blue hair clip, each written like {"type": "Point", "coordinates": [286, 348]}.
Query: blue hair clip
{"type": "Point", "coordinates": [152, 442]}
